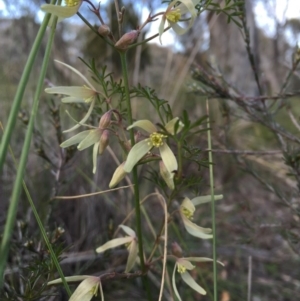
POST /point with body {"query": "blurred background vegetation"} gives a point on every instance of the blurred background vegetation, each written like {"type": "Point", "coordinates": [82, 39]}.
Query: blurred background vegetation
{"type": "Point", "coordinates": [254, 101]}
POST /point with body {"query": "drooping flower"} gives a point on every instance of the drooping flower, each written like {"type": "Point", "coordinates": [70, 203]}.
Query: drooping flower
{"type": "Point", "coordinates": [86, 290]}
{"type": "Point", "coordinates": [98, 137]}
{"type": "Point", "coordinates": [155, 139]}
{"type": "Point", "coordinates": [77, 94]}
{"type": "Point", "coordinates": [63, 12]}
{"type": "Point", "coordinates": [182, 265]}
{"type": "Point", "coordinates": [130, 241]}
{"type": "Point", "coordinates": [173, 16]}
{"type": "Point", "coordinates": [187, 210]}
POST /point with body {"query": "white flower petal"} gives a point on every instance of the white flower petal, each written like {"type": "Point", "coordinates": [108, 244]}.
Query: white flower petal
{"type": "Point", "coordinates": [188, 6]}
{"type": "Point", "coordinates": [146, 125]}
{"type": "Point", "coordinates": [174, 284]}
{"type": "Point", "coordinates": [92, 138]}
{"type": "Point", "coordinates": [114, 243]}
{"type": "Point", "coordinates": [86, 289]}
{"type": "Point", "coordinates": [75, 139]}
{"type": "Point", "coordinates": [188, 279]}
{"type": "Point", "coordinates": [137, 152]}
{"type": "Point", "coordinates": [168, 158]}
{"type": "Point", "coordinates": [202, 259]}
{"type": "Point", "coordinates": [83, 120]}
{"type": "Point", "coordinates": [205, 199]}
{"type": "Point", "coordinates": [170, 126]}
{"type": "Point", "coordinates": [185, 7]}
{"type": "Point", "coordinates": [69, 279]}
{"type": "Point", "coordinates": [83, 92]}
{"type": "Point", "coordinates": [133, 251]}
{"type": "Point", "coordinates": [188, 204]}
{"type": "Point", "coordinates": [61, 11]}
{"type": "Point", "coordinates": [72, 99]}
{"type": "Point", "coordinates": [194, 229]}
{"type": "Point", "coordinates": [184, 262]}
{"type": "Point", "coordinates": [128, 231]}
{"type": "Point", "coordinates": [166, 175]}
{"type": "Point", "coordinates": [95, 155]}
{"type": "Point", "coordinates": [78, 73]}
{"type": "Point", "coordinates": [118, 176]}
{"type": "Point", "coordinates": [161, 27]}
{"type": "Point", "coordinates": [198, 259]}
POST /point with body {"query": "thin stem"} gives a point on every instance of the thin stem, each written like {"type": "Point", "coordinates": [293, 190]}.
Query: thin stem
{"type": "Point", "coordinates": [135, 175]}
{"type": "Point", "coordinates": [93, 29]}
{"type": "Point", "coordinates": [147, 40]}
{"type": "Point", "coordinates": [213, 209]}
{"type": "Point", "coordinates": [20, 90]}
{"type": "Point", "coordinates": [249, 52]}
{"type": "Point", "coordinates": [14, 201]}
{"type": "Point", "coordinates": [118, 16]}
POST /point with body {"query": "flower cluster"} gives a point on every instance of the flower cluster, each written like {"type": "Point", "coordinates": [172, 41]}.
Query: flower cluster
{"type": "Point", "coordinates": [153, 147]}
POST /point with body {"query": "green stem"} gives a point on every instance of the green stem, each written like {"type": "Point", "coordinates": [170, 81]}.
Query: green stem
{"type": "Point", "coordinates": [93, 29]}
{"type": "Point", "coordinates": [46, 239]}
{"type": "Point", "coordinates": [20, 90]}
{"type": "Point", "coordinates": [213, 209]}
{"type": "Point", "coordinates": [135, 175]}
{"type": "Point", "coordinates": [40, 224]}
{"type": "Point", "coordinates": [13, 206]}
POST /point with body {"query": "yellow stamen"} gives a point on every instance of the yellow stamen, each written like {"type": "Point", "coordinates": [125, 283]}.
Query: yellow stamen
{"type": "Point", "coordinates": [156, 139]}
{"type": "Point", "coordinates": [94, 290]}
{"type": "Point", "coordinates": [71, 2]}
{"type": "Point", "coordinates": [189, 214]}
{"type": "Point", "coordinates": [181, 269]}
{"type": "Point", "coordinates": [173, 15]}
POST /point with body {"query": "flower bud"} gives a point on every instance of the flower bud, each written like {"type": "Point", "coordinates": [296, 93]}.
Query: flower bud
{"type": "Point", "coordinates": [105, 120]}
{"type": "Point", "coordinates": [104, 140]}
{"type": "Point", "coordinates": [118, 176]}
{"type": "Point", "coordinates": [127, 39]}
{"type": "Point", "coordinates": [176, 249]}
{"type": "Point", "coordinates": [104, 30]}
{"type": "Point", "coordinates": [166, 175]}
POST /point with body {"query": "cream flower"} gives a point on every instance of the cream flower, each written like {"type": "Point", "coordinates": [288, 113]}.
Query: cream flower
{"type": "Point", "coordinates": [187, 210]}
{"type": "Point", "coordinates": [174, 14]}
{"type": "Point", "coordinates": [77, 94]}
{"type": "Point", "coordinates": [182, 265]}
{"type": "Point", "coordinates": [155, 139]}
{"type": "Point", "coordinates": [98, 137]}
{"type": "Point", "coordinates": [84, 140]}
{"type": "Point", "coordinates": [86, 290]}
{"type": "Point", "coordinates": [118, 176]}
{"type": "Point", "coordinates": [130, 241]}
{"type": "Point", "coordinates": [63, 12]}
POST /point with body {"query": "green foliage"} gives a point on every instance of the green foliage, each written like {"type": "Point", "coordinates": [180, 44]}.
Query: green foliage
{"type": "Point", "coordinates": [28, 276]}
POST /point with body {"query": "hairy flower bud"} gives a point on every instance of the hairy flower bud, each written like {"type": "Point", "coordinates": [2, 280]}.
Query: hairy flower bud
{"type": "Point", "coordinates": [176, 249]}
{"type": "Point", "coordinates": [105, 120]}
{"type": "Point", "coordinates": [104, 140]}
{"type": "Point", "coordinates": [104, 30]}
{"type": "Point", "coordinates": [127, 39]}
